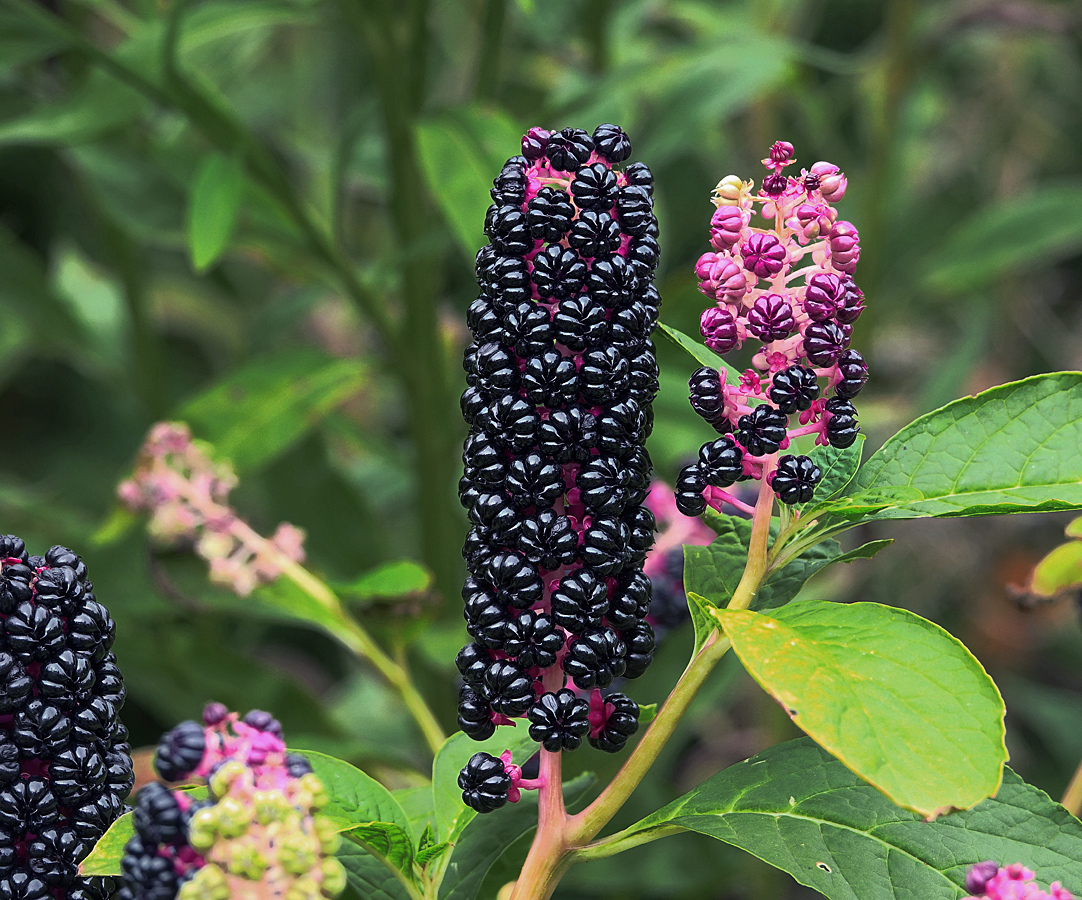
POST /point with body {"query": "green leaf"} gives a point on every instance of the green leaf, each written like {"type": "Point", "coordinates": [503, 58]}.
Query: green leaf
{"type": "Point", "coordinates": [800, 810]}
{"type": "Point", "coordinates": [838, 466]}
{"type": "Point", "coordinates": [386, 841]}
{"type": "Point", "coordinates": [701, 618]}
{"type": "Point", "coordinates": [452, 815]}
{"type": "Point", "coordinates": [104, 859]}
{"type": "Point", "coordinates": [893, 696]}
{"type": "Point", "coordinates": [355, 798]}
{"type": "Point", "coordinates": [487, 837]}
{"type": "Point", "coordinates": [1059, 570]}
{"type": "Point", "coordinates": [259, 411]}
{"type": "Point", "coordinates": [214, 208]}
{"type": "Point", "coordinates": [1018, 232]}
{"type": "Point", "coordinates": [702, 354]}
{"type": "Point", "coordinates": [394, 579]}
{"type": "Point", "coordinates": [368, 876]}
{"type": "Point", "coordinates": [1013, 448]}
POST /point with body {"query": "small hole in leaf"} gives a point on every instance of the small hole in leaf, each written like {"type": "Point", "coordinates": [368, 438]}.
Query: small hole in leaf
{"type": "Point", "coordinates": [792, 712]}
{"type": "Point", "coordinates": [823, 866]}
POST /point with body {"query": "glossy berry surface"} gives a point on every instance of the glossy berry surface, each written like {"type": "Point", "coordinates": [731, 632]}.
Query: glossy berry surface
{"type": "Point", "coordinates": [559, 720]}
{"type": "Point", "coordinates": [617, 720]}
{"type": "Point", "coordinates": [795, 479]}
{"type": "Point", "coordinates": [484, 783]}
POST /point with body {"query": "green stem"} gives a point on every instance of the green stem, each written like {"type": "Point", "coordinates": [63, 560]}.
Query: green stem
{"type": "Point", "coordinates": [1072, 797]}
{"type": "Point", "coordinates": [488, 63]}
{"type": "Point", "coordinates": [621, 841]}
{"type": "Point", "coordinates": [352, 634]}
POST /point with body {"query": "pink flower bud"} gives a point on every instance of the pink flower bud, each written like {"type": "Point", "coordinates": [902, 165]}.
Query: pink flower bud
{"type": "Point", "coordinates": [771, 318]}
{"type": "Point", "coordinates": [730, 281]}
{"type": "Point", "coordinates": [764, 254]}
{"type": "Point", "coordinates": [782, 151]}
{"type": "Point", "coordinates": [832, 181]}
{"type": "Point", "coordinates": [718, 329]}
{"type": "Point", "coordinates": [844, 246]}
{"type": "Point", "coordinates": [809, 220]}
{"type": "Point", "coordinates": [726, 225]}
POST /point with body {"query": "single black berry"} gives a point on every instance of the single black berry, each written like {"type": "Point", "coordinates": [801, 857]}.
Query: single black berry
{"type": "Point", "coordinates": [762, 430]}
{"type": "Point", "coordinates": [484, 782]}
{"type": "Point", "coordinates": [180, 751]}
{"type": "Point", "coordinates": [794, 389]}
{"type": "Point", "coordinates": [721, 462]}
{"type": "Point", "coordinates": [842, 428]}
{"type": "Point", "coordinates": [795, 479]}
{"type": "Point", "coordinates": [595, 659]}
{"type": "Point", "coordinates": [559, 720]}
{"type": "Point", "coordinates": [621, 722]}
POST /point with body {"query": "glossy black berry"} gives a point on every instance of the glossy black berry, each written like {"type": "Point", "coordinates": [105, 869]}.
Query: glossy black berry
{"type": "Point", "coordinates": [854, 372]}
{"type": "Point", "coordinates": [515, 580]}
{"type": "Point", "coordinates": [595, 659]}
{"type": "Point", "coordinates": [690, 485]}
{"type": "Point", "coordinates": [842, 428]}
{"type": "Point", "coordinates": [548, 539]}
{"type": "Point", "coordinates": [612, 280]}
{"type": "Point", "coordinates": [611, 143]}
{"type": "Point", "coordinates": [528, 330]}
{"type": "Point", "coordinates": [568, 149]}
{"type": "Point", "coordinates": [580, 322]}
{"type": "Point", "coordinates": [549, 214]}
{"type": "Point", "coordinates": [472, 660]}
{"type": "Point", "coordinates": [484, 782]}
{"type": "Point", "coordinates": [634, 209]}
{"type": "Point", "coordinates": [558, 272]}
{"type": "Point", "coordinates": [594, 187]}
{"type": "Point", "coordinates": [180, 751]}
{"type": "Point", "coordinates": [721, 462]}
{"type": "Point", "coordinates": [474, 714]}
{"type": "Point", "coordinates": [579, 601]}
{"type": "Point", "coordinates": [824, 343]}
{"type": "Point", "coordinates": [559, 720]}
{"type": "Point", "coordinates": [507, 229]}
{"type": "Point", "coordinates": [507, 688]}
{"type": "Point", "coordinates": [605, 545]}
{"type": "Point", "coordinates": [639, 174]}
{"type": "Point", "coordinates": [594, 234]}
{"type": "Point", "coordinates": [604, 375]}
{"type": "Point", "coordinates": [511, 422]}
{"type": "Point", "coordinates": [568, 435]}
{"type": "Point", "coordinates": [795, 479]}
{"type": "Point", "coordinates": [534, 480]}
{"type": "Point", "coordinates": [629, 601]}
{"type": "Point", "coordinates": [794, 389]}
{"type": "Point", "coordinates": [533, 640]}
{"type": "Point", "coordinates": [550, 380]}
{"type": "Point", "coordinates": [620, 723]}
{"type": "Point", "coordinates": [509, 187]}
{"type": "Point", "coordinates": [762, 430]}
{"type": "Point", "coordinates": [640, 642]}
{"type": "Point", "coordinates": [157, 815]}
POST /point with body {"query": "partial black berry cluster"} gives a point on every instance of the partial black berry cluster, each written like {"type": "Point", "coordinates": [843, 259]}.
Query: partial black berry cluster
{"type": "Point", "coordinates": [258, 833]}
{"type": "Point", "coordinates": [65, 761]}
{"type": "Point", "coordinates": [788, 285]}
{"type": "Point", "coordinates": [561, 376]}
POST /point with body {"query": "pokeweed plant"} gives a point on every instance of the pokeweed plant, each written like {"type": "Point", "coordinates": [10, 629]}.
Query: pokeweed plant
{"type": "Point", "coordinates": [900, 786]}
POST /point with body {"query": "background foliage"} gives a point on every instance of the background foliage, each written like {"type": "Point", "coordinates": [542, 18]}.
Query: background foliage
{"type": "Point", "coordinates": [260, 216]}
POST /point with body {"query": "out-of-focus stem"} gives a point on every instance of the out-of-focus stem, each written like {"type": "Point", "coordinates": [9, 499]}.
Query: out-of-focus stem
{"type": "Point", "coordinates": [1072, 797]}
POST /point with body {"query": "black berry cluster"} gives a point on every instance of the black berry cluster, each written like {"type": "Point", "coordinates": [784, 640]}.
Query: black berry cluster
{"type": "Point", "coordinates": [789, 285]}
{"type": "Point", "coordinates": [561, 377]}
{"type": "Point", "coordinates": [65, 761]}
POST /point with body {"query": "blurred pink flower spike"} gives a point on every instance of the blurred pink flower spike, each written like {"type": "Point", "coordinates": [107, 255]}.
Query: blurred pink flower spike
{"type": "Point", "coordinates": [186, 494]}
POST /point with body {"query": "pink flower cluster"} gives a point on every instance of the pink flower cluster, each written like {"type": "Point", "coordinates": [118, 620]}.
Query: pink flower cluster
{"type": "Point", "coordinates": [1013, 882]}
{"type": "Point", "coordinates": [787, 283]}
{"type": "Point", "coordinates": [187, 494]}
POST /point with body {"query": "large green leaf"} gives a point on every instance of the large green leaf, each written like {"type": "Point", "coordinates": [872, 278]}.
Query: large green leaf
{"type": "Point", "coordinates": [1018, 232]}
{"type": "Point", "coordinates": [1013, 448]}
{"type": "Point", "coordinates": [387, 842]}
{"type": "Point", "coordinates": [838, 465]}
{"type": "Point", "coordinates": [799, 809]}
{"type": "Point", "coordinates": [214, 208]}
{"type": "Point", "coordinates": [393, 579]}
{"type": "Point", "coordinates": [452, 815]}
{"type": "Point", "coordinates": [893, 696]}
{"type": "Point", "coordinates": [486, 838]}
{"type": "Point", "coordinates": [368, 876]}
{"type": "Point", "coordinates": [262, 409]}
{"type": "Point", "coordinates": [702, 354]}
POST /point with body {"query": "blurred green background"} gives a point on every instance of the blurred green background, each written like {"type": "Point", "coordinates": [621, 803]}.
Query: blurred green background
{"type": "Point", "coordinates": [260, 216]}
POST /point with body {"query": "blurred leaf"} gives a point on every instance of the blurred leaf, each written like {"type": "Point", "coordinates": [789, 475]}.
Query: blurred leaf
{"type": "Point", "coordinates": [101, 105]}
{"type": "Point", "coordinates": [799, 809]}
{"type": "Point", "coordinates": [486, 838]}
{"type": "Point", "coordinates": [893, 696]}
{"type": "Point", "coordinates": [1014, 233]}
{"type": "Point", "coordinates": [1013, 448]}
{"type": "Point", "coordinates": [394, 579]}
{"type": "Point", "coordinates": [452, 815]}
{"type": "Point", "coordinates": [260, 410]}
{"type": "Point", "coordinates": [460, 168]}
{"type": "Point", "coordinates": [214, 208]}
{"type": "Point", "coordinates": [21, 41]}
{"type": "Point", "coordinates": [701, 353]}
{"type": "Point", "coordinates": [1059, 570]}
